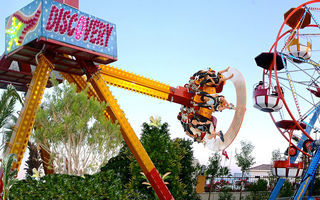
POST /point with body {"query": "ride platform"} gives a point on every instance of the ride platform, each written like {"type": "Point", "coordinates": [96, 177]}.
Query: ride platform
{"type": "Point", "coordinates": [65, 35]}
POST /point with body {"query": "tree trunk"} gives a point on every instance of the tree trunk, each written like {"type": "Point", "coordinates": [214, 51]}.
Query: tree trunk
{"type": "Point", "coordinates": [241, 184]}
{"type": "Point", "coordinates": [211, 186]}
{"type": "Point", "coordinates": [46, 161]}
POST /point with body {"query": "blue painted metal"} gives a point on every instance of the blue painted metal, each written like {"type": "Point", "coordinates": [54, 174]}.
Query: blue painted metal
{"type": "Point", "coordinates": [308, 129]}
{"type": "Point", "coordinates": [277, 189]}
{"type": "Point", "coordinates": [62, 23]}
{"type": "Point", "coordinates": [280, 181]}
{"type": "Point", "coordinates": [312, 185]}
{"type": "Point", "coordinates": [308, 176]}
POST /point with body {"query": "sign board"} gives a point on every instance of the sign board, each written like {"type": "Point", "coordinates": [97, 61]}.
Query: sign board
{"type": "Point", "coordinates": [59, 22]}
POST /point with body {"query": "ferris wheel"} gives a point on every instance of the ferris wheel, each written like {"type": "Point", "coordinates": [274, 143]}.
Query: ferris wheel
{"type": "Point", "coordinates": [290, 86]}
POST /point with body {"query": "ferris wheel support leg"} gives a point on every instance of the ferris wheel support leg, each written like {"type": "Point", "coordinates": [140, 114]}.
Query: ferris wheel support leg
{"type": "Point", "coordinates": [25, 122]}
{"type": "Point", "coordinates": [312, 185]}
{"type": "Point", "coordinates": [131, 138]}
{"type": "Point", "coordinates": [277, 189]}
{"type": "Point", "coordinates": [308, 176]}
{"type": "Point", "coordinates": [311, 123]}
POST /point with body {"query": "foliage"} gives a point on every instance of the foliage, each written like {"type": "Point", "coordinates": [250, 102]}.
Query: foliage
{"type": "Point", "coordinates": [218, 186]}
{"type": "Point", "coordinates": [168, 155]}
{"type": "Point", "coordinates": [34, 160]}
{"type": "Point", "coordinates": [260, 185]}
{"type": "Point", "coordinates": [8, 179]}
{"type": "Point", "coordinates": [8, 101]}
{"type": "Point", "coordinates": [287, 189]}
{"type": "Point", "coordinates": [244, 159]}
{"type": "Point", "coordinates": [276, 155]}
{"type": "Point", "coordinates": [226, 194]}
{"type": "Point", "coordinates": [75, 130]}
{"type": "Point", "coordinates": [316, 186]}
{"type": "Point", "coordinates": [261, 195]}
{"type": "Point", "coordinates": [258, 190]}
{"type": "Point", "coordinates": [100, 186]}
{"type": "Point", "coordinates": [214, 165]}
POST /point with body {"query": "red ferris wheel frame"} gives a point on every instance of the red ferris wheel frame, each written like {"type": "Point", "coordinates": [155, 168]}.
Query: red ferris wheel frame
{"type": "Point", "coordinates": [280, 93]}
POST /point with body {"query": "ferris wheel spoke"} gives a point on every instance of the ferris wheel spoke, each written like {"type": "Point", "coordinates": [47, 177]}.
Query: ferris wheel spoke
{"type": "Point", "coordinates": [305, 83]}
{"type": "Point", "coordinates": [302, 97]}
{"type": "Point", "coordinates": [298, 70]}
{"type": "Point", "coordinates": [310, 111]}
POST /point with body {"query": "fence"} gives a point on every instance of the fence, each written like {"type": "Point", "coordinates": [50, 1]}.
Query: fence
{"type": "Point", "coordinates": [237, 183]}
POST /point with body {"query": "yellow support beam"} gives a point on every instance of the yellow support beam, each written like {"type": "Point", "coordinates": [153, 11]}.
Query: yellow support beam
{"type": "Point", "coordinates": [80, 82]}
{"type": "Point", "coordinates": [133, 82]}
{"type": "Point", "coordinates": [127, 132]}
{"type": "Point", "coordinates": [99, 90]}
{"type": "Point", "coordinates": [22, 130]}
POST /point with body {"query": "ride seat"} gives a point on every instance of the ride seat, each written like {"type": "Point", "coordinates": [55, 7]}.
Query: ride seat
{"type": "Point", "coordinates": [266, 102]}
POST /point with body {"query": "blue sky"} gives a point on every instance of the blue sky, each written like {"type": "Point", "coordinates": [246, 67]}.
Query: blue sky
{"type": "Point", "coordinates": [170, 40]}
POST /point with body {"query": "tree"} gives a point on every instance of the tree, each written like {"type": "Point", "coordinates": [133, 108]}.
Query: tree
{"type": "Point", "coordinates": [244, 159]}
{"type": "Point", "coordinates": [7, 104]}
{"type": "Point", "coordinates": [73, 127]}
{"type": "Point", "coordinates": [34, 160]}
{"type": "Point", "coordinates": [213, 169]}
{"type": "Point", "coordinates": [174, 156]}
{"type": "Point", "coordinates": [276, 155]}
{"type": "Point", "coordinates": [8, 179]}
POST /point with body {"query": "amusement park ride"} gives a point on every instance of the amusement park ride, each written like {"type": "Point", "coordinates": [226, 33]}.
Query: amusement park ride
{"type": "Point", "coordinates": [54, 36]}
{"type": "Point", "coordinates": [290, 92]}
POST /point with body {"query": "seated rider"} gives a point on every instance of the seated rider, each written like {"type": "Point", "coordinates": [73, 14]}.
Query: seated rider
{"type": "Point", "coordinates": [315, 92]}
{"type": "Point", "coordinates": [212, 79]}
{"type": "Point", "coordinates": [200, 126]}
{"type": "Point", "coordinates": [214, 102]}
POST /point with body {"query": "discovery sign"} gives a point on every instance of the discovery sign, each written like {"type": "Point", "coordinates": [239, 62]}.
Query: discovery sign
{"type": "Point", "coordinates": [58, 22]}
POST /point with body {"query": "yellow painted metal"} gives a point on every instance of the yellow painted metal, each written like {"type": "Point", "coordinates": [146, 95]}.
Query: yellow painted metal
{"type": "Point", "coordinates": [80, 82]}
{"type": "Point", "coordinates": [133, 82]}
{"type": "Point", "coordinates": [127, 132]}
{"type": "Point", "coordinates": [22, 130]}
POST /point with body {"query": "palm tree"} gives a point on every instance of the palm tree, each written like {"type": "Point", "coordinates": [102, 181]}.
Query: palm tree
{"type": "Point", "coordinates": [8, 100]}
{"type": "Point", "coordinates": [164, 177]}
{"type": "Point", "coordinates": [8, 178]}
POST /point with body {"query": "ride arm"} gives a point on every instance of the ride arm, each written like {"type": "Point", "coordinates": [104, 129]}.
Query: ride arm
{"type": "Point", "coordinates": [143, 85]}
{"type": "Point", "coordinates": [98, 89]}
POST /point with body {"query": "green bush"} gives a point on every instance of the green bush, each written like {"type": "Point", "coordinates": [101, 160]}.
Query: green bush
{"type": "Point", "coordinates": [100, 186]}
{"type": "Point", "coordinates": [287, 189]}
{"type": "Point", "coordinates": [226, 194]}
{"type": "Point", "coordinates": [260, 185]}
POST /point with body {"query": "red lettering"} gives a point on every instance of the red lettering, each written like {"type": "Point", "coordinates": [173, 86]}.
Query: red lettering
{"type": "Point", "coordinates": [74, 18]}
{"type": "Point", "coordinates": [102, 31]}
{"type": "Point", "coordinates": [50, 24]}
{"type": "Point", "coordinates": [94, 31]}
{"type": "Point", "coordinates": [88, 29]}
{"type": "Point", "coordinates": [58, 20]}
{"type": "Point", "coordinates": [64, 26]}
{"type": "Point", "coordinates": [109, 31]}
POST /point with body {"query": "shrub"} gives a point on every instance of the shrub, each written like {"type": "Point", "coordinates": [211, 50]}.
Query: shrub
{"type": "Point", "coordinates": [100, 186]}
{"type": "Point", "coordinates": [287, 189]}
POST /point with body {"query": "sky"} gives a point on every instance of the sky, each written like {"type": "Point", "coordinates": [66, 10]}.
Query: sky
{"type": "Point", "coordinates": [168, 41]}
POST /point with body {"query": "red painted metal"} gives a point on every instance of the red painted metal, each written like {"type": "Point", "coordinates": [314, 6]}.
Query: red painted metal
{"type": "Point", "coordinates": [161, 189]}
{"type": "Point", "coordinates": [286, 164]}
{"type": "Point", "coordinates": [5, 62]}
{"type": "Point", "coordinates": [72, 3]}
{"type": "Point", "coordinates": [180, 95]}
{"type": "Point", "coordinates": [265, 73]}
{"type": "Point", "coordinates": [290, 125]}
